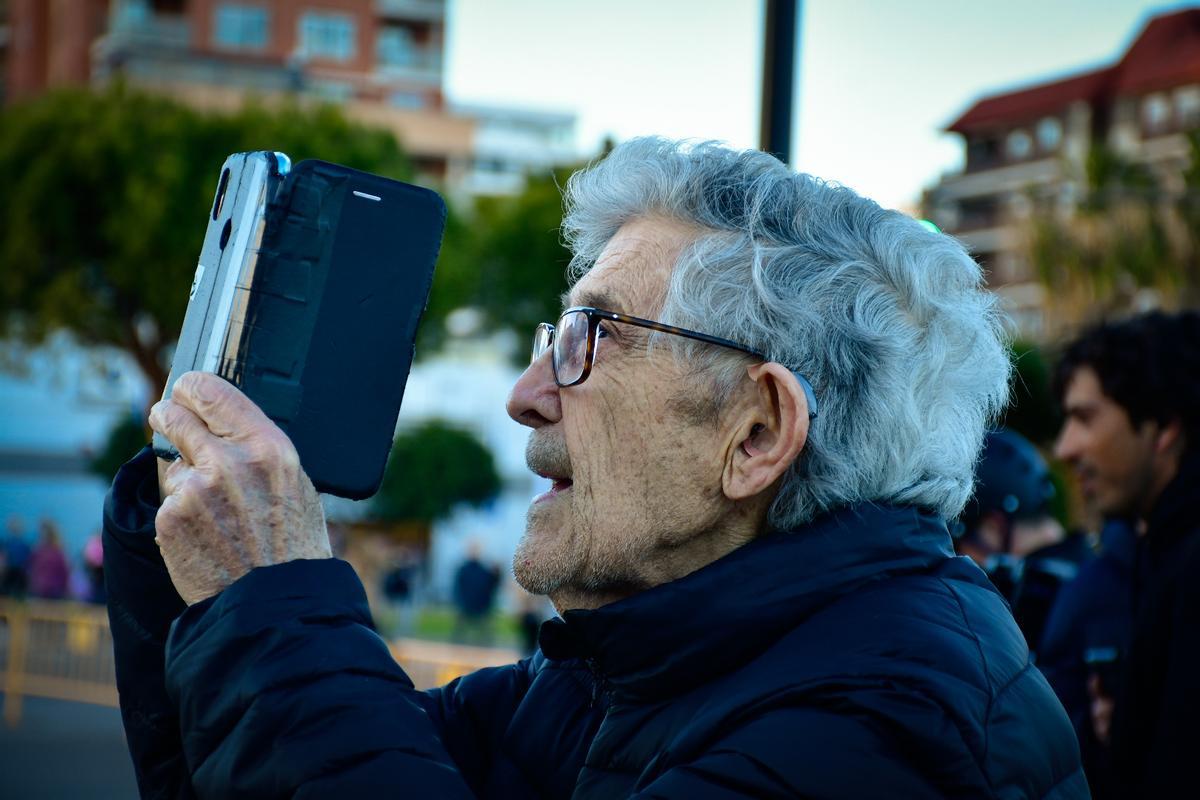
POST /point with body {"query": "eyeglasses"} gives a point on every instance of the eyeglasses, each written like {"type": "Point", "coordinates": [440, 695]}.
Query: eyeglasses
{"type": "Point", "coordinates": [574, 343]}
{"type": "Point", "coordinates": [574, 340]}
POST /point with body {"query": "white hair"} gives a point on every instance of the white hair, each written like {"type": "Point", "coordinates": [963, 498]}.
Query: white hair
{"type": "Point", "coordinates": [888, 320]}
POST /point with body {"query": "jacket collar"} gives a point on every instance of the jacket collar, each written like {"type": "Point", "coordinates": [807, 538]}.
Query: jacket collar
{"type": "Point", "coordinates": [1176, 513]}
{"type": "Point", "coordinates": [678, 635]}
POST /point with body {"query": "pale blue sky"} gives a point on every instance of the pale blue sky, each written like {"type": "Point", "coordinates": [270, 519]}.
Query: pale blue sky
{"type": "Point", "coordinates": [878, 80]}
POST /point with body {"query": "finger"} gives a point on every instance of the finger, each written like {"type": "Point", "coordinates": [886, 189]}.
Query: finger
{"type": "Point", "coordinates": [174, 476]}
{"type": "Point", "coordinates": [184, 429]}
{"type": "Point", "coordinates": [223, 407]}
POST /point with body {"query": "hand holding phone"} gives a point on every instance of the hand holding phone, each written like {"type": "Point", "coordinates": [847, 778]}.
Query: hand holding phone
{"type": "Point", "coordinates": [309, 288]}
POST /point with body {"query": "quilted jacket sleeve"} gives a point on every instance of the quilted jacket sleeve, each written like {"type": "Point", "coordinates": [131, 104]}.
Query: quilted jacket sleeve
{"type": "Point", "coordinates": [284, 690]}
{"type": "Point", "coordinates": [142, 603]}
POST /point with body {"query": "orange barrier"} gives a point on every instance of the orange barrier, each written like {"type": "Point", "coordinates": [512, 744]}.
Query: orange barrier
{"type": "Point", "coordinates": [54, 649]}
{"type": "Point", "coordinates": [431, 664]}
{"type": "Point", "coordinates": [63, 651]}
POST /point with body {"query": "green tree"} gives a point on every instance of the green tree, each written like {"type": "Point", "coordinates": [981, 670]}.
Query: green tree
{"type": "Point", "coordinates": [434, 467]}
{"type": "Point", "coordinates": [1032, 410]}
{"type": "Point", "coordinates": [1129, 232]}
{"type": "Point", "coordinates": [506, 258]}
{"type": "Point", "coordinates": [104, 213]}
{"type": "Point", "coordinates": [127, 437]}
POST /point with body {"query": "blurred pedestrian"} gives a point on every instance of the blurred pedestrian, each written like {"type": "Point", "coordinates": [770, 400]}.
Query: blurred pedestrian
{"type": "Point", "coordinates": [475, 585]}
{"type": "Point", "coordinates": [93, 568]}
{"type": "Point", "coordinates": [49, 573]}
{"type": "Point", "coordinates": [1085, 636]}
{"type": "Point", "coordinates": [531, 611]}
{"type": "Point", "coordinates": [15, 581]}
{"type": "Point", "coordinates": [399, 588]}
{"type": "Point", "coordinates": [1130, 393]}
{"type": "Point", "coordinates": [1008, 529]}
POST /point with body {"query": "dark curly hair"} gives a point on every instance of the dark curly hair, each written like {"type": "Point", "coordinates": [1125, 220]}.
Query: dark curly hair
{"type": "Point", "coordinates": [1149, 365]}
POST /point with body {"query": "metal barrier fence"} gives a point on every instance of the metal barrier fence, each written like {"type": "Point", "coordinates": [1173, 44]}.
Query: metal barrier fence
{"type": "Point", "coordinates": [55, 649]}
{"type": "Point", "coordinates": [63, 651]}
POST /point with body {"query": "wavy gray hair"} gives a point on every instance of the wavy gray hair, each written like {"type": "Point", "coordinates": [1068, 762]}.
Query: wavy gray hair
{"type": "Point", "coordinates": [888, 320]}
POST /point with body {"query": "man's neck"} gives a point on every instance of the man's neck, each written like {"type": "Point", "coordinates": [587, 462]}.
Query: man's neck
{"type": "Point", "coordinates": [667, 565]}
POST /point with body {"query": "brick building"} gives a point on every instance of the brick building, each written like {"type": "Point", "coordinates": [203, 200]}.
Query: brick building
{"type": "Point", "coordinates": [1026, 150]}
{"type": "Point", "coordinates": [381, 60]}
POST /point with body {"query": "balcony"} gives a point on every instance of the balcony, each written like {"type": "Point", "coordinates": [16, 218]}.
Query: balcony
{"type": "Point", "coordinates": [410, 64]}
{"type": "Point", "coordinates": [425, 10]}
{"type": "Point", "coordinates": [132, 25]}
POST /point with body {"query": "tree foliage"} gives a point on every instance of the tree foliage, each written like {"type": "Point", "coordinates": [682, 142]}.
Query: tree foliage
{"type": "Point", "coordinates": [1130, 231]}
{"type": "Point", "coordinates": [104, 213]}
{"type": "Point", "coordinates": [432, 468]}
{"type": "Point", "coordinates": [127, 437]}
{"type": "Point", "coordinates": [504, 257]}
{"type": "Point", "coordinates": [1032, 410]}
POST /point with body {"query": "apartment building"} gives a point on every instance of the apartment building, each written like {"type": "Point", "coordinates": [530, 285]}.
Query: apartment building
{"type": "Point", "coordinates": [381, 60]}
{"type": "Point", "coordinates": [1026, 150]}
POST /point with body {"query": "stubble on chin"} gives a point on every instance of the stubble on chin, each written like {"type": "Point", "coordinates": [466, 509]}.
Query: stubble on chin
{"type": "Point", "coordinates": [544, 561]}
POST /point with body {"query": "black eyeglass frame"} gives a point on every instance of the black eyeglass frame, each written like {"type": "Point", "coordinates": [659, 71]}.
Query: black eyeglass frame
{"type": "Point", "coordinates": [596, 315]}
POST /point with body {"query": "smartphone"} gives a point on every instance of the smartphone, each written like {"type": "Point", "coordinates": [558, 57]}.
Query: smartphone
{"type": "Point", "coordinates": [309, 288]}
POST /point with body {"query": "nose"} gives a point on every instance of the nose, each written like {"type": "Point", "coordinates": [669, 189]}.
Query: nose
{"type": "Point", "coordinates": [1066, 448]}
{"type": "Point", "coordinates": [534, 400]}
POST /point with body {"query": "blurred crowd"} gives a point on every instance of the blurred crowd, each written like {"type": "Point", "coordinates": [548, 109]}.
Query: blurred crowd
{"type": "Point", "coordinates": [36, 565]}
{"type": "Point", "coordinates": [1109, 611]}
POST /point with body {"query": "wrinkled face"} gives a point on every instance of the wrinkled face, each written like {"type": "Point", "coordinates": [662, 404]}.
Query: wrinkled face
{"type": "Point", "coordinates": [637, 477]}
{"type": "Point", "coordinates": [1113, 460]}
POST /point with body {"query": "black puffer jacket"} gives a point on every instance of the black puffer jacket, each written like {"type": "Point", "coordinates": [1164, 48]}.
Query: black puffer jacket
{"type": "Point", "coordinates": [854, 658]}
{"type": "Point", "coordinates": [1158, 704]}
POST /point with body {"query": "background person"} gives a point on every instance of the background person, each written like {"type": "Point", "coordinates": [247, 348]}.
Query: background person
{"type": "Point", "coordinates": [49, 572]}
{"type": "Point", "coordinates": [1130, 393]}
{"type": "Point", "coordinates": [1007, 527]}
{"type": "Point", "coordinates": [475, 585]}
{"type": "Point", "coordinates": [16, 559]}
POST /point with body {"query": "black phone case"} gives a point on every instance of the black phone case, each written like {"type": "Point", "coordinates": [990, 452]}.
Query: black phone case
{"type": "Point", "coordinates": [325, 343]}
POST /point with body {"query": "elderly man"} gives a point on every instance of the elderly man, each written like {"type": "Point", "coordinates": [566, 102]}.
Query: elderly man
{"type": "Point", "coordinates": [1130, 393]}
{"type": "Point", "coordinates": [764, 397]}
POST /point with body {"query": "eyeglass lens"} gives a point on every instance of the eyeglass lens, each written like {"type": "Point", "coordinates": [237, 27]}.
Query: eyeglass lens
{"type": "Point", "coordinates": [570, 346]}
{"type": "Point", "coordinates": [541, 340]}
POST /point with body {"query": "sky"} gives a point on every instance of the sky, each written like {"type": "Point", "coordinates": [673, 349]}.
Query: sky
{"type": "Point", "coordinates": [877, 80]}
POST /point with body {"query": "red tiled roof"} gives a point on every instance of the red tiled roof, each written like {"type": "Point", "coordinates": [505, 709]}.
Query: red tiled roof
{"type": "Point", "coordinates": [1166, 53]}
{"type": "Point", "coordinates": [1020, 106]}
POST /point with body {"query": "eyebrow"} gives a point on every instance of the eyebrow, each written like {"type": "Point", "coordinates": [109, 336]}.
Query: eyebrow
{"type": "Point", "coordinates": [596, 298]}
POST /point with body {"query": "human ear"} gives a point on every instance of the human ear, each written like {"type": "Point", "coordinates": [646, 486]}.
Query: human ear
{"type": "Point", "coordinates": [769, 433]}
{"type": "Point", "coordinates": [1169, 437]}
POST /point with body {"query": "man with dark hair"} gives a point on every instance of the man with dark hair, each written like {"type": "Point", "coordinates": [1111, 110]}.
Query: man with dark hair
{"type": "Point", "coordinates": [1131, 395]}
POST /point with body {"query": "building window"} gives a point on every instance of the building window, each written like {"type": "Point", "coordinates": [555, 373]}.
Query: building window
{"type": "Point", "coordinates": [1049, 134]}
{"type": "Point", "coordinates": [1187, 106]}
{"type": "Point", "coordinates": [407, 100]}
{"type": "Point", "coordinates": [326, 35]}
{"type": "Point", "coordinates": [396, 47]}
{"type": "Point", "coordinates": [1018, 144]}
{"type": "Point", "coordinates": [239, 27]}
{"type": "Point", "coordinates": [1156, 112]}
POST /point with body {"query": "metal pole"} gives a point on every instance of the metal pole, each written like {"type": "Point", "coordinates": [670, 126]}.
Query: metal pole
{"type": "Point", "coordinates": [779, 62]}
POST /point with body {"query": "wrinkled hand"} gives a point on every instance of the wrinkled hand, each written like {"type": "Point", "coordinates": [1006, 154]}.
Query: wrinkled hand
{"type": "Point", "coordinates": [237, 498]}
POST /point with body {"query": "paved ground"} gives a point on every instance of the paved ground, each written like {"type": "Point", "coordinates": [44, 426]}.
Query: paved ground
{"type": "Point", "coordinates": [65, 750]}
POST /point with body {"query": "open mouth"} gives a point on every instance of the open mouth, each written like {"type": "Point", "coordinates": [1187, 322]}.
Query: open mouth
{"type": "Point", "coordinates": [557, 487]}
